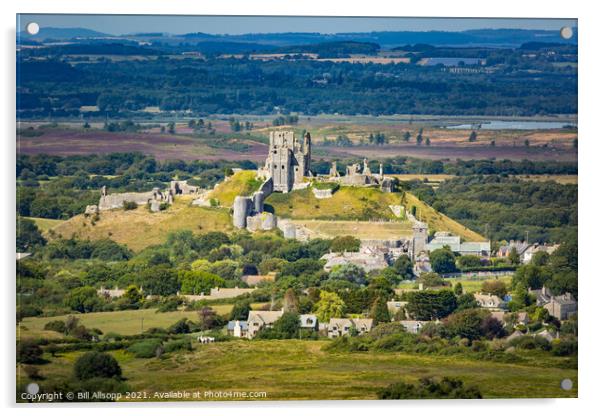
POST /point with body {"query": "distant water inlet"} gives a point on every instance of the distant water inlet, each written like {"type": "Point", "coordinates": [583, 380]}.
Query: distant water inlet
{"type": "Point", "coordinates": [514, 125]}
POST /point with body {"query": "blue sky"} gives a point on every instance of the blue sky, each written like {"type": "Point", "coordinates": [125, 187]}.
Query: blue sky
{"type": "Point", "coordinates": [123, 24]}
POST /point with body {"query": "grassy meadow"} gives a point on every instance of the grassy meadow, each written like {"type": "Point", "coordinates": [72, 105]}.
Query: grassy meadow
{"type": "Point", "coordinates": [128, 322]}
{"type": "Point", "coordinates": [241, 183]}
{"type": "Point", "coordinates": [302, 370]}
{"type": "Point", "coordinates": [348, 203]}
{"type": "Point", "coordinates": [364, 230]}
{"type": "Point", "coordinates": [470, 285]}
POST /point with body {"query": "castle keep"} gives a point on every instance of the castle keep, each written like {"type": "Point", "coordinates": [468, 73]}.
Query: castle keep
{"type": "Point", "coordinates": [288, 160]}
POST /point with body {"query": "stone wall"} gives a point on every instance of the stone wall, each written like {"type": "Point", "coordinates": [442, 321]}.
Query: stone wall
{"type": "Point", "coordinates": [322, 193]}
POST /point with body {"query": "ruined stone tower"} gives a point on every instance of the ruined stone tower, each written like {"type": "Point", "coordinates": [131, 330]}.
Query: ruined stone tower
{"type": "Point", "coordinates": [419, 238]}
{"type": "Point", "coordinates": [288, 160]}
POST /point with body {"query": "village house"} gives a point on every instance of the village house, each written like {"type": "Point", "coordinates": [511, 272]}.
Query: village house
{"type": "Point", "coordinates": [338, 327]}
{"type": "Point", "coordinates": [110, 293]}
{"type": "Point", "coordinates": [506, 249]}
{"type": "Point", "coordinates": [413, 327]}
{"type": "Point", "coordinates": [514, 319]}
{"type": "Point", "coordinates": [261, 319]}
{"type": "Point", "coordinates": [394, 306]}
{"type": "Point", "coordinates": [265, 319]}
{"type": "Point", "coordinates": [308, 321]}
{"type": "Point", "coordinates": [489, 301]}
{"type": "Point", "coordinates": [561, 307]}
{"type": "Point", "coordinates": [238, 329]}
{"type": "Point", "coordinates": [218, 293]}
{"type": "Point", "coordinates": [444, 238]}
{"type": "Point", "coordinates": [528, 254]}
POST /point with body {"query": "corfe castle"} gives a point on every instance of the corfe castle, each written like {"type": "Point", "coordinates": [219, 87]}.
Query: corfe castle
{"type": "Point", "coordinates": [288, 168]}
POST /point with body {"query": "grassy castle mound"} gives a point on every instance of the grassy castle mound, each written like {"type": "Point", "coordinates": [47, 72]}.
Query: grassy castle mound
{"type": "Point", "coordinates": [350, 211]}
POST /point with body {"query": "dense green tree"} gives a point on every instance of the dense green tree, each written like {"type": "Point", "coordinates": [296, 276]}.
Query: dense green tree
{"type": "Point", "coordinates": [83, 299]}
{"type": "Point", "coordinates": [494, 287]}
{"type": "Point", "coordinates": [240, 310]}
{"type": "Point", "coordinates": [94, 364]}
{"type": "Point", "coordinates": [466, 301]}
{"type": "Point", "coordinates": [348, 272]}
{"type": "Point", "coordinates": [344, 243]}
{"type": "Point", "coordinates": [195, 282]}
{"type": "Point", "coordinates": [159, 281]}
{"type": "Point", "coordinates": [443, 260]}
{"type": "Point", "coordinates": [404, 267]}
{"type": "Point", "coordinates": [287, 326]}
{"type": "Point", "coordinates": [28, 235]}
{"type": "Point", "coordinates": [431, 279]}
{"type": "Point", "coordinates": [329, 306]}
{"type": "Point", "coordinates": [427, 305]}
{"type": "Point", "coordinates": [379, 312]}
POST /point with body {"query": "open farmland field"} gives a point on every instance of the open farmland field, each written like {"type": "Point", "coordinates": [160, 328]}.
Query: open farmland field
{"type": "Point", "coordinates": [561, 179]}
{"type": "Point", "coordinates": [65, 142]}
{"type": "Point", "coordinates": [129, 322]}
{"type": "Point", "coordinates": [364, 230]}
{"type": "Point", "coordinates": [453, 152]}
{"type": "Point", "coordinates": [139, 228]}
{"type": "Point", "coordinates": [469, 284]}
{"type": "Point", "coordinates": [302, 370]}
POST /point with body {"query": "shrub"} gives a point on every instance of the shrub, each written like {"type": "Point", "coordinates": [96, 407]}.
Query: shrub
{"type": "Point", "coordinates": [564, 348]}
{"type": "Point", "coordinates": [129, 205]}
{"type": "Point", "coordinates": [429, 388]}
{"type": "Point", "coordinates": [169, 305]}
{"type": "Point", "coordinates": [57, 326]}
{"type": "Point", "coordinates": [180, 327]}
{"type": "Point", "coordinates": [530, 343]}
{"type": "Point", "coordinates": [32, 372]}
{"type": "Point", "coordinates": [29, 352]}
{"type": "Point", "coordinates": [178, 344]}
{"type": "Point", "coordinates": [145, 349]}
{"type": "Point", "coordinates": [96, 364]}
{"type": "Point", "coordinates": [25, 311]}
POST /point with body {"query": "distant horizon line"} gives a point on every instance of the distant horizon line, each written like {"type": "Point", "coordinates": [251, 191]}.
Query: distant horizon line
{"type": "Point", "coordinates": [291, 32]}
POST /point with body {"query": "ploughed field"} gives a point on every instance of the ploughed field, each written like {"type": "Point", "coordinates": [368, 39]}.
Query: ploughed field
{"type": "Point", "coordinates": [71, 139]}
{"type": "Point", "coordinates": [302, 370]}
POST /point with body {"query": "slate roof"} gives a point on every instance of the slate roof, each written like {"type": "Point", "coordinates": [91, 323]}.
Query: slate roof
{"type": "Point", "coordinates": [244, 326]}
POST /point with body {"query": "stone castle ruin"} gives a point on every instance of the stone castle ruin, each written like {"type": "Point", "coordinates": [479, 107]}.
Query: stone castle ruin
{"type": "Point", "coordinates": [288, 161]}
{"type": "Point", "coordinates": [153, 198]}
{"type": "Point", "coordinates": [286, 168]}
{"type": "Point", "coordinates": [248, 211]}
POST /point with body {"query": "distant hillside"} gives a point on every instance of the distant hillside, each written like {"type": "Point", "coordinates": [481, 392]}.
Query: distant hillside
{"type": "Point", "coordinates": [62, 33]}
{"type": "Point", "coordinates": [268, 41]}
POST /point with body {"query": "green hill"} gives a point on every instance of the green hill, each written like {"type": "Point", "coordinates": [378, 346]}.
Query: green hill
{"type": "Point", "coordinates": [362, 204]}
{"type": "Point", "coordinates": [140, 228]}
{"type": "Point", "coordinates": [243, 183]}
{"type": "Point", "coordinates": [351, 211]}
